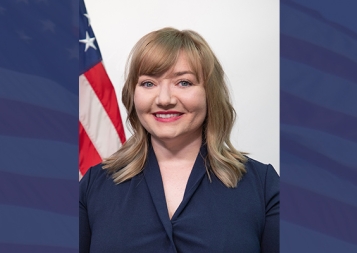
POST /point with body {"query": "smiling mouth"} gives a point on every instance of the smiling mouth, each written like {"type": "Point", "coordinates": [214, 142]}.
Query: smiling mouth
{"type": "Point", "coordinates": [167, 116]}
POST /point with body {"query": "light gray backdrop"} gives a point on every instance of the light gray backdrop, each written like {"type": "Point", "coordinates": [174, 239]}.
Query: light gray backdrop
{"type": "Point", "coordinates": [244, 34]}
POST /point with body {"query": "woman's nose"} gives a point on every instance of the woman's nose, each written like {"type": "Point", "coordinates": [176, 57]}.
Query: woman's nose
{"type": "Point", "coordinates": [165, 95]}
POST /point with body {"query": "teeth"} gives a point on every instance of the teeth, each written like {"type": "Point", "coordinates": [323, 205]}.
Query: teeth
{"type": "Point", "coordinates": [166, 116]}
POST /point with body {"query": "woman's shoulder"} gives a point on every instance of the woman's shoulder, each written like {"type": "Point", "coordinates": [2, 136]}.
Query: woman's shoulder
{"type": "Point", "coordinates": [263, 172]}
{"type": "Point", "coordinates": [95, 176]}
{"type": "Point", "coordinates": [265, 177]}
{"type": "Point", "coordinates": [94, 172]}
{"type": "Point", "coordinates": [260, 167]}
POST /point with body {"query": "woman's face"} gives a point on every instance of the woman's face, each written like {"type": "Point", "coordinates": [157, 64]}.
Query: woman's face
{"type": "Point", "coordinates": [172, 106]}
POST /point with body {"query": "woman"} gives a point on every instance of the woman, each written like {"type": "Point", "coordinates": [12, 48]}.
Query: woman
{"type": "Point", "coordinates": [178, 184]}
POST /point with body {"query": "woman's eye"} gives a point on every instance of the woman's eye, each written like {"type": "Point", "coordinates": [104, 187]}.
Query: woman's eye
{"type": "Point", "coordinates": [147, 84]}
{"type": "Point", "coordinates": [185, 83]}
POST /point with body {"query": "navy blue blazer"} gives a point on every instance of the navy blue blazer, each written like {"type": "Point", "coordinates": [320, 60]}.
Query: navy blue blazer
{"type": "Point", "coordinates": [133, 216]}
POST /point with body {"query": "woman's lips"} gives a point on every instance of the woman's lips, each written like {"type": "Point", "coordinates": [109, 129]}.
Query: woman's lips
{"type": "Point", "coordinates": [167, 116]}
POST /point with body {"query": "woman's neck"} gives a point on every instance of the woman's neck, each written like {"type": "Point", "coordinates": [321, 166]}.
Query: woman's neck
{"type": "Point", "coordinates": [176, 150]}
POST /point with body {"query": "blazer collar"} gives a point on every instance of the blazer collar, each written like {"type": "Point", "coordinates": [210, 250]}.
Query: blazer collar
{"type": "Point", "coordinates": [154, 182]}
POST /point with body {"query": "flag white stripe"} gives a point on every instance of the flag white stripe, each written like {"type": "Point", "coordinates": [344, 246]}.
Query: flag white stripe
{"type": "Point", "coordinates": [96, 121]}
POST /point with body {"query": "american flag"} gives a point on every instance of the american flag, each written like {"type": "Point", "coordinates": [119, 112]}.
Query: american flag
{"type": "Point", "coordinates": [101, 131]}
{"type": "Point", "coordinates": [318, 123]}
{"type": "Point", "coordinates": [39, 126]}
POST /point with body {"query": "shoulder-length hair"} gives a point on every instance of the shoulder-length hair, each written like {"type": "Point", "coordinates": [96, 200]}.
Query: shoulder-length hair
{"type": "Point", "coordinates": [154, 54]}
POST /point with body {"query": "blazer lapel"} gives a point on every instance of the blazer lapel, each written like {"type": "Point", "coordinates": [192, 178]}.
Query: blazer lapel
{"type": "Point", "coordinates": [197, 174]}
{"type": "Point", "coordinates": [156, 189]}
{"type": "Point", "coordinates": [154, 182]}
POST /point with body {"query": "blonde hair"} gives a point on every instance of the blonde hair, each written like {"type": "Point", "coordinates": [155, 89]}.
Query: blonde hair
{"type": "Point", "coordinates": [154, 54]}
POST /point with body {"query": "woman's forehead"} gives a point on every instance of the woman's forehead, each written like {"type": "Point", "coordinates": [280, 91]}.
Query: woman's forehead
{"type": "Point", "coordinates": [183, 64]}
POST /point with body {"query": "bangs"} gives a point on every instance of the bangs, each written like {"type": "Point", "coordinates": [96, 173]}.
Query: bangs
{"type": "Point", "coordinates": [161, 53]}
{"type": "Point", "coordinates": [156, 59]}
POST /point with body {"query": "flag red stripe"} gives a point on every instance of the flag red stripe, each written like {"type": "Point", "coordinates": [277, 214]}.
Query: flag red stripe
{"type": "Point", "coordinates": [102, 86]}
{"type": "Point", "coordinates": [88, 155]}
{"type": "Point", "coordinates": [95, 120]}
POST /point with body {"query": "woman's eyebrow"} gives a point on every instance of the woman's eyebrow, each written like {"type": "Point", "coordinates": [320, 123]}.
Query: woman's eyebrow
{"type": "Point", "coordinates": [175, 74]}
{"type": "Point", "coordinates": [180, 73]}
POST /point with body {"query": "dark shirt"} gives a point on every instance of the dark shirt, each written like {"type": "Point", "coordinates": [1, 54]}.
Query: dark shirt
{"type": "Point", "coordinates": [132, 216]}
